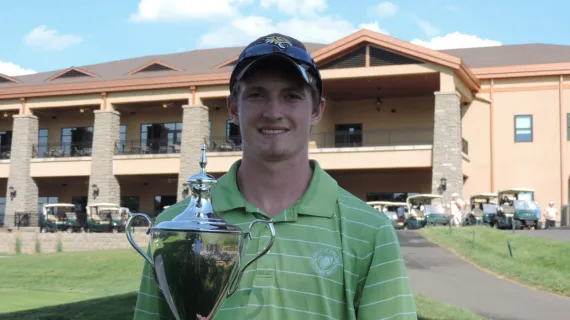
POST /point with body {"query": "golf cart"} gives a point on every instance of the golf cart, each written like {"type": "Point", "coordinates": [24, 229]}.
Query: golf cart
{"type": "Point", "coordinates": [59, 217]}
{"type": "Point", "coordinates": [106, 217]}
{"type": "Point", "coordinates": [426, 209]}
{"type": "Point", "coordinates": [395, 211]}
{"type": "Point", "coordinates": [516, 206]}
{"type": "Point", "coordinates": [483, 208]}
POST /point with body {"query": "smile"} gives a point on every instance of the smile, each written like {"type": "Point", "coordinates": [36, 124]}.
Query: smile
{"type": "Point", "coordinates": [272, 131]}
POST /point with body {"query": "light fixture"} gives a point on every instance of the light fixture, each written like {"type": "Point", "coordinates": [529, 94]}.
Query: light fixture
{"type": "Point", "coordinates": [81, 110]}
{"type": "Point", "coordinates": [95, 191]}
{"type": "Point", "coordinates": [5, 114]}
{"type": "Point", "coordinates": [443, 184]}
{"type": "Point", "coordinates": [185, 189]}
{"type": "Point", "coordinates": [12, 192]}
{"type": "Point", "coordinates": [164, 105]}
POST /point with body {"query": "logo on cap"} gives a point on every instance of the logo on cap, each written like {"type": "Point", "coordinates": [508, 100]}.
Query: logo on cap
{"type": "Point", "coordinates": [278, 41]}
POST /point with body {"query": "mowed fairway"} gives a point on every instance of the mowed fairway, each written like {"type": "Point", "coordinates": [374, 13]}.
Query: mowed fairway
{"type": "Point", "coordinates": [541, 263]}
{"type": "Point", "coordinates": [103, 285]}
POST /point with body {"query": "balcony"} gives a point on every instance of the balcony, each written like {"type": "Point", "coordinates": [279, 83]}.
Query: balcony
{"type": "Point", "coordinates": [62, 149]}
{"type": "Point", "coordinates": [70, 159]}
{"type": "Point", "coordinates": [373, 149]}
{"type": "Point", "coordinates": [147, 147]}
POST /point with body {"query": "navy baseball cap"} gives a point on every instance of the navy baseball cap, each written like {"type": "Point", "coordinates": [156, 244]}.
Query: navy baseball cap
{"type": "Point", "coordinates": [279, 45]}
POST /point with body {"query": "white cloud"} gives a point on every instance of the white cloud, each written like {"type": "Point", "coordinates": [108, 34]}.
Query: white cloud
{"type": "Point", "coordinates": [294, 7]}
{"type": "Point", "coordinates": [456, 40]}
{"type": "Point", "coordinates": [374, 26]}
{"type": "Point", "coordinates": [241, 31]}
{"type": "Point", "coordinates": [384, 9]}
{"type": "Point", "coordinates": [12, 69]}
{"type": "Point", "coordinates": [429, 29]}
{"type": "Point", "coordinates": [176, 10]}
{"type": "Point", "coordinates": [48, 39]}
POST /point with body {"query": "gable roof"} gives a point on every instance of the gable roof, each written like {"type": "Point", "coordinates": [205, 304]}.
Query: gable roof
{"type": "Point", "coordinates": [6, 79]}
{"type": "Point", "coordinates": [72, 73]}
{"type": "Point", "coordinates": [154, 65]}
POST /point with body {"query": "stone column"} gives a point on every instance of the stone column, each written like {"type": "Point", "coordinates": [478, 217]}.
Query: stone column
{"type": "Point", "coordinates": [194, 134]}
{"type": "Point", "coordinates": [106, 133]}
{"type": "Point", "coordinates": [24, 136]}
{"type": "Point", "coordinates": [446, 153]}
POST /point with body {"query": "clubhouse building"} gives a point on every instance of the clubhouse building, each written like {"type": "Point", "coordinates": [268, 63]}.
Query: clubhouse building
{"type": "Point", "coordinates": [400, 119]}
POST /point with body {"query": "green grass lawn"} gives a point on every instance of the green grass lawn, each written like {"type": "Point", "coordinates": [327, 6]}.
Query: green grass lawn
{"type": "Point", "coordinates": [541, 263]}
{"type": "Point", "coordinates": [103, 285]}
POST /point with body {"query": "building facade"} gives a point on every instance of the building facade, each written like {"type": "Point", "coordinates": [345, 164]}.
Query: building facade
{"type": "Point", "coordinates": [400, 119]}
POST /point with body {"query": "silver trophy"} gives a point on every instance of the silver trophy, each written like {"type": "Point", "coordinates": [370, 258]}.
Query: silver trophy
{"type": "Point", "coordinates": [197, 258]}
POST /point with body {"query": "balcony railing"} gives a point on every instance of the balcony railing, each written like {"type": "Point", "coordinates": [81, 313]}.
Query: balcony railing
{"type": "Point", "coordinates": [63, 149]}
{"type": "Point", "coordinates": [464, 146]}
{"type": "Point", "coordinates": [372, 138]}
{"type": "Point", "coordinates": [342, 139]}
{"type": "Point", "coordinates": [132, 147]}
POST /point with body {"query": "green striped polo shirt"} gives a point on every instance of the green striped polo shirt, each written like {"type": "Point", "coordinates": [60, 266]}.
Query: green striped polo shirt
{"type": "Point", "coordinates": [334, 257]}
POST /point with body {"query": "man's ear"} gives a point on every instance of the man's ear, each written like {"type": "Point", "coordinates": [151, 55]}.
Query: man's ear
{"type": "Point", "coordinates": [318, 112]}
{"type": "Point", "coordinates": [232, 109]}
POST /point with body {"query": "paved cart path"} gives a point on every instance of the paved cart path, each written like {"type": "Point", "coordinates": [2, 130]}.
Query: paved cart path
{"type": "Point", "coordinates": [439, 274]}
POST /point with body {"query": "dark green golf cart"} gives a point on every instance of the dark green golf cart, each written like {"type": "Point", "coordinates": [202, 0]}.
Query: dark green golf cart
{"type": "Point", "coordinates": [426, 209]}
{"type": "Point", "coordinates": [516, 206]}
{"type": "Point", "coordinates": [59, 217]}
{"type": "Point", "coordinates": [483, 208]}
{"type": "Point", "coordinates": [106, 217]}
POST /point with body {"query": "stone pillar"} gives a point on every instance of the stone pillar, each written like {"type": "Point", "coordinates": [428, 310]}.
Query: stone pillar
{"type": "Point", "coordinates": [24, 136]}
{"type": "Point", "coordinates": [446, 152]}
{"type": "Point", "coordinates": [194, 134]}
{"type": "Point", "coordinates": [106, 133]}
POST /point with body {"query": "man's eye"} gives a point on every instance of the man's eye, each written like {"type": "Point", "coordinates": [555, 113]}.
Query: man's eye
{"type": "Point", "coordinates": [253, 95]}
{"type": "Point", "coordinates": [293, 96]}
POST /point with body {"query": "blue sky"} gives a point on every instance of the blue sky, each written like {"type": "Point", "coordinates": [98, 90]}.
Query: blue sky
{"type": "Point", "coordinates": [54, 34]}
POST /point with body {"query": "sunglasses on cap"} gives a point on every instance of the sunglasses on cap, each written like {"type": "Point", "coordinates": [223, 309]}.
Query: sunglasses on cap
{"type": "Point", "coordinates": [300, 57]}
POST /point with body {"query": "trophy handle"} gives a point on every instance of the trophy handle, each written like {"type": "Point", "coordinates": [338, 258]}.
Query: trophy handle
{"type": "Point", "coordinates": [132, 241]}
{"type": "Point", "coordinates": [236, 280]}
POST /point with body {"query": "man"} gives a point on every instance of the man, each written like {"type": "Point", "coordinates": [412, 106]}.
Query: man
{"type": "Point", "coordinates": [334, 256]}
{"type": "Point", "coordinates": [456, 207]}
{"type": "Point", "coordinates": [550, 214]}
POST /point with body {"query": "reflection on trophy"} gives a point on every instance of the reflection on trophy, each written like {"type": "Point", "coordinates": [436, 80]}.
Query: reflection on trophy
{"type": "Point", "coordinates": [197, 257]}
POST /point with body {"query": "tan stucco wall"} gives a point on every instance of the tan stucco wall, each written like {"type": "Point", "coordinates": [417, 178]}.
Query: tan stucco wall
{"type": "Point", "coordinates": [146, 194]}
{"type": "Point", "coordinates": [64, 101]}
{"type": "Point", "coordinates": [540, 169]}
{"type": "Point", "coordinates": [566, 142]}
{"type": "Point", "coordinates": [68, 167]}
{"type": "Point", "coordinates": [476, 131]}
{"type": "Point", "coordinates": [4, 170]}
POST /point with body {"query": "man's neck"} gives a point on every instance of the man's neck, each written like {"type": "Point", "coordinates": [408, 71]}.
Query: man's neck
{"type": "Point", "coordinates": [274, 186]}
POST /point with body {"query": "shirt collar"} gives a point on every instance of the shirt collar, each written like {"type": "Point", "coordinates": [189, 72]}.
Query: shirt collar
{"type": "Point", "coordinates": [319, 199]}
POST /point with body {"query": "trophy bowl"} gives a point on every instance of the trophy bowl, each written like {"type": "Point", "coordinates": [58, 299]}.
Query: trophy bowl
{"type": "Point", "coordinates": [197, 258]}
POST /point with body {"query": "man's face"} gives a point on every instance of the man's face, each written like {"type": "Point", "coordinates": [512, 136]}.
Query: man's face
{"type": "Point", "coordinates": [275, 114]}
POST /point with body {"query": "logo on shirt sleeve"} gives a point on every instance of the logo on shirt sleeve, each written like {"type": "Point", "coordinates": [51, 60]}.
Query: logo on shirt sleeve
{"type": "Point", "coordinates": [325, 261]}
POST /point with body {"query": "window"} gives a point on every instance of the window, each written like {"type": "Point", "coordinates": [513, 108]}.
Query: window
{"type": "Point", "coordinates": [161, 137]}
{"type": "Point", "coordinates": [523, 128]}
{"type": "Point", "coordinates": [42, 141]}
{"type": "Point", "coordinates": [233, 133]}
{"type": "Point", "coordinates": [5, 141]}
{"type": "Point", "coordinates": [389, 196]}
{"type": "Point", "coordinates": [348, 135]}
{"type": "Point", "coordinates": [2, 210]}
{"type": "Point", "coordinates": [161, 201]}
{"type": "Point", "coordinates": [74, 140]}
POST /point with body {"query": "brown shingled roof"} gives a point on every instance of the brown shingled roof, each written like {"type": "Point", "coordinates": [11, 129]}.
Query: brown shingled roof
{"type": "Point", "coordinates": [203, 61]}
{"type": "Point", "coordinates": [512, 55]}
{"type": "Point", "coordinates": [191, 62]}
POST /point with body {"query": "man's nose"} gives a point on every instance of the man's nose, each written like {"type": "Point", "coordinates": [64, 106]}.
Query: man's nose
{"type": "Point", "coordinates": [273, 110]}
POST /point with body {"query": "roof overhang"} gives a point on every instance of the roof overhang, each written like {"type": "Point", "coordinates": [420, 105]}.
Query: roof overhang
{"type": "Point", "coordinates": [522, 71]}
